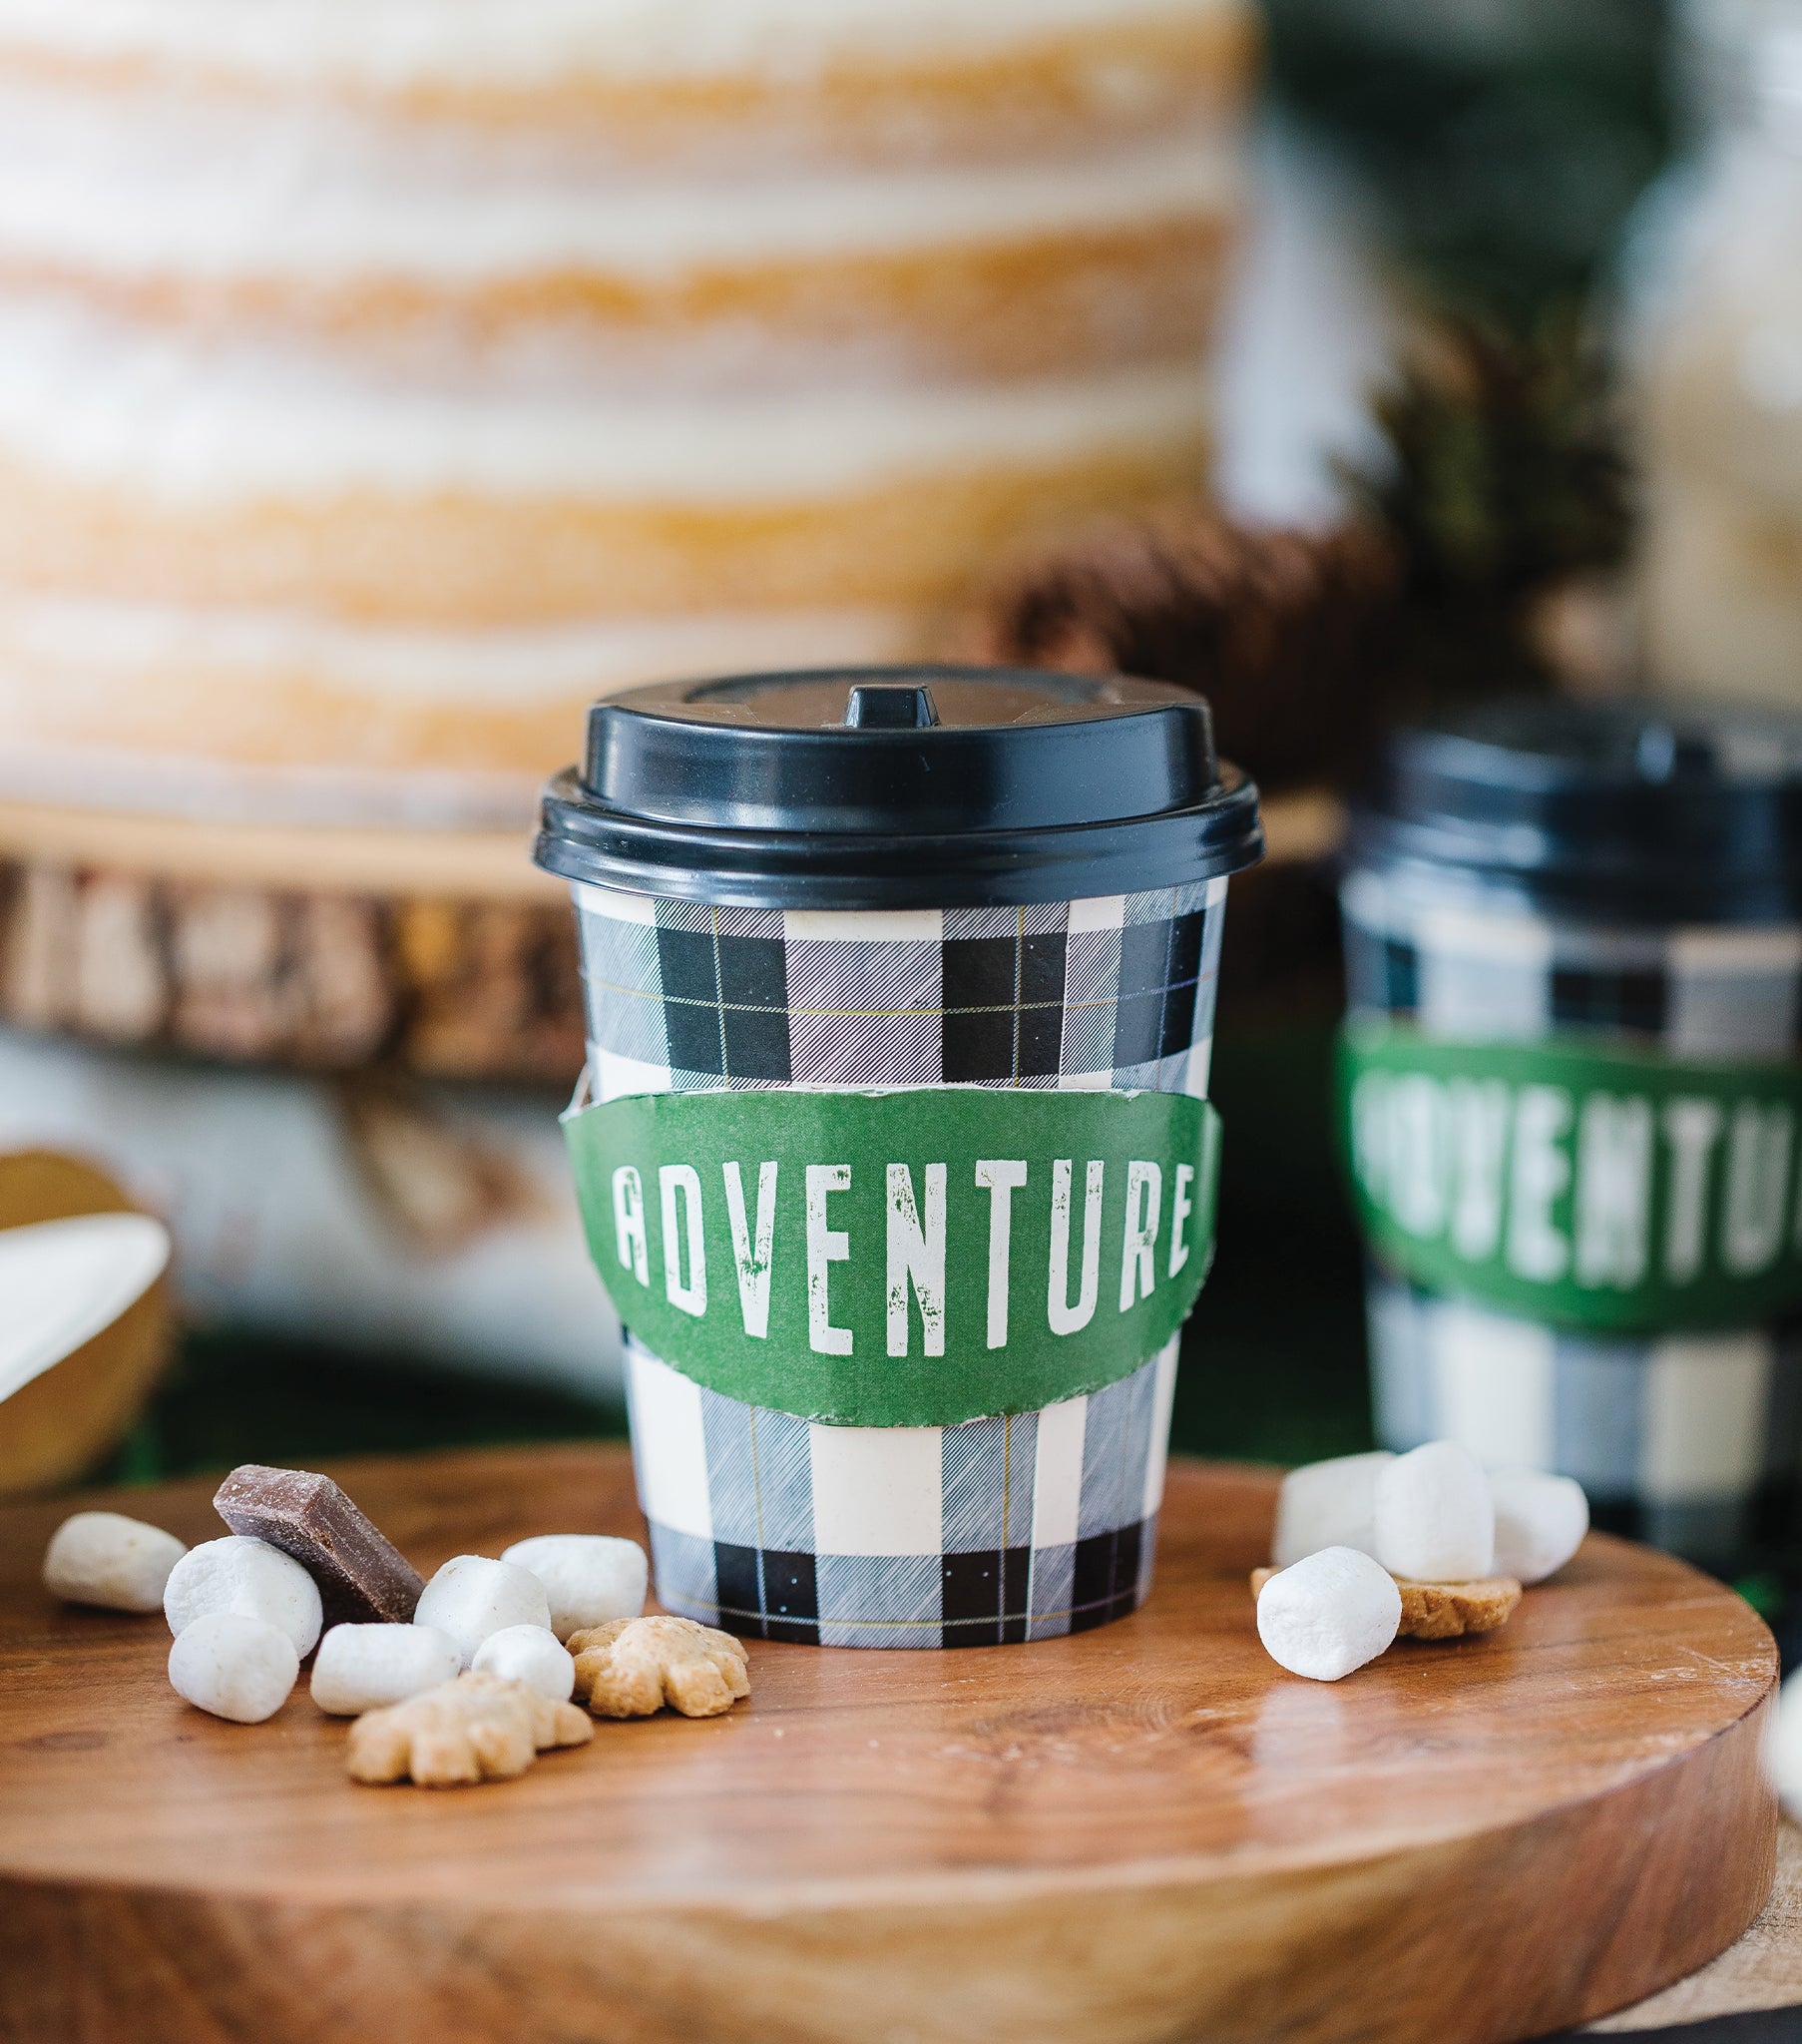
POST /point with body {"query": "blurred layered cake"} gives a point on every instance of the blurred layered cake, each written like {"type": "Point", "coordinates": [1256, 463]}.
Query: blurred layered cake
{"type": "Point", "coordinates": [383, 379]}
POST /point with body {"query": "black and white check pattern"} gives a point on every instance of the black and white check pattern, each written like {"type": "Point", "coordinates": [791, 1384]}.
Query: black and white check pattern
{"type": "Point", "coordinates": [1013, 1528]}
{"type": "Point", "coordinates": [1063, 995]}
{"type": "Point", "coordinates": [1675, 1439]}
{"type": "Point", "coordinates": [1678, 1441]}
{"type": "Point", "coordinates": [1459, 970]}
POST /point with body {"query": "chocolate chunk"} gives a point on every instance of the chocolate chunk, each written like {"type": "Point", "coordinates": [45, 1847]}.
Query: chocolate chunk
{"type": "Point", "coordinates": [361, 1576]}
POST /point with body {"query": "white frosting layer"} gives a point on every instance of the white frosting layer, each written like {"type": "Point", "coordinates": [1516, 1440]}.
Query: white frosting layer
{"type": "Point", "coordinates": [175, 783]}
{"type": "Point", "coordinates": [390, 44]}
{"type": "Point", "coordinates": [41, 637]}
{"type": "Point", "coordinates": [85, 191]}
{"type": "Point", "coordinates": [125, 647]}
{"type": "Point", "coordinates": [88, 401]}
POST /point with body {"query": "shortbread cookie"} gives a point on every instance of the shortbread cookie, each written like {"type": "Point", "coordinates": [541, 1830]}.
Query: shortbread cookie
{"type": "Point", "coordinates": [631, 1668]}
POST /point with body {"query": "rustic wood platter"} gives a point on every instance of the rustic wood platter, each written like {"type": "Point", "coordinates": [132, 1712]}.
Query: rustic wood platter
{"type": "Point", "coordinates": [1147, 1831]}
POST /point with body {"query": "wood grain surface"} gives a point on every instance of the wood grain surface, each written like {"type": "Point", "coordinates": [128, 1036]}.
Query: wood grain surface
{"type": "Point", "coordinates": [1145, 1833]}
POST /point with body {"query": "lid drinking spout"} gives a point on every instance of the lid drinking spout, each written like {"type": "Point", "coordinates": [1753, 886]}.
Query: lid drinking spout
{"type": "Point", "coordinates": [890, 709]}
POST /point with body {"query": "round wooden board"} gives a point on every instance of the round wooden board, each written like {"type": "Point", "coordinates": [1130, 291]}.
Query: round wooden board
{"type": "Point", "coordinates": [1147, 1831]}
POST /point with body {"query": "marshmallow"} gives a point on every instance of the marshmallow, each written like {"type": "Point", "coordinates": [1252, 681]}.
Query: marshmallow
{"type": "Point", "coordinates": [1329, 1613]}
{"type": "Point", "coordinates": [234, 1664]}
{"type": "Point", "coordinates": [1782, 1751]}
{"type": "Point", "coordinates": [247, 1576]}
{"type": "Point", "coordinates": [1327, 1504]}
{"type": "Point", "coordinates": [106, 1559]}
{"type": "Point", "coordinates": [365, 1667]}
{"type": "Point", "coordinates": [472, 1596]}
{"type": "Point", "coordinates": [529, 1654]}
{"type": "Point", "coordinates": [1540, 1522]}
{"type": "Point", "coordinates": [1434, 1520]}
{"type": "Point", "coordinates": [588, 1577]}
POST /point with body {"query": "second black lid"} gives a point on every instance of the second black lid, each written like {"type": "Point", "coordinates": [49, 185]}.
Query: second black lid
{"type": "Point", "coordinates": [899, 786]}
{"type": "Point", "coordinates": [1634, 810]}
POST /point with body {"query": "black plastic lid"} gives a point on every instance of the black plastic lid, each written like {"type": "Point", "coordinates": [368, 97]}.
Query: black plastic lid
{"type": "Point", "coordinates": [893, 788]}
{"type": "Point", "coordinates": [1627, 810]}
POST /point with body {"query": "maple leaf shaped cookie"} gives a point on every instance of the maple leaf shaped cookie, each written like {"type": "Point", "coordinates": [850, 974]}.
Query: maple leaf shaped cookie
{"type": "Point", "coordinates": [631, 1667]}
{"type": "Point", "coordinates": [479, 1728]}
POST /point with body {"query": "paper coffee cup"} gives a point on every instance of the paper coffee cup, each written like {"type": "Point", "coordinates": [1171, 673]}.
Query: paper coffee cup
{"type": "Point", "coordinates": [1600, 880]}
{"type": "Point", "coordinates": [880, 941]}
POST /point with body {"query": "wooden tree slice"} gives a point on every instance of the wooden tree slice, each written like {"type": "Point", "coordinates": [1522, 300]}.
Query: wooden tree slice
{"type": "Point", "coordinates": [1146, 1831]}
{"type": "Point", "coordinates": [444, 954]}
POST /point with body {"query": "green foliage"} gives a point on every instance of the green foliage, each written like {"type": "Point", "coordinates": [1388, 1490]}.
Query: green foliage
{"type": "Point", "coordinates": [1508, 467]}
{"type": "Point", "coordinates": [1505, 140]}
{"type": "Point", "coordinates": [1505, 477]}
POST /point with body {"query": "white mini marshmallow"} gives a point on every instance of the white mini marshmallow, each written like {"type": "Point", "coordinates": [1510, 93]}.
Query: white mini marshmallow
{"type": "Point", "coordinates": [106, 1559]}
{"type": "Point", "coordinates": [247, 1576]}
{"type": "Point", "coordinates": [363, 1667]}
{"type": "Point", "coordinates": [532, 1655]}
{"type": "Point", "coordinates": [472, 1596]}
{"type": "Point", "coordinates": [1329, 1613]}
{"type": "Point", "coordinates": [1327, 1504]}
{"type": "Point", "coordinates": [1540, 1522]}
{"type": "Point", "coordinates": [1782, 1752]}
{"type": "Point", "coordinates": [588, 1577]}
{"type": "Point", "coordinates": [234, 1664]}
{"type": "Point", "coordinates": [1434, 1519]}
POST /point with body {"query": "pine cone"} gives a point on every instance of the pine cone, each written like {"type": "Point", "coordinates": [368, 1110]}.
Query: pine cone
{"type": "Point", "coordinates": [1284, 632]}
{"type": "Point", "coordinates": [1503, 484]}
{"type": "Point", "coordinates": [1503, 470]}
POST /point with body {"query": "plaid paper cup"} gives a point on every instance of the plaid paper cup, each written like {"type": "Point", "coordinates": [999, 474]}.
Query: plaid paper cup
{"type": "Point", "coordinates": [1675, 1439]}
{"type": "Point", "coordinates": [1018, 1527]}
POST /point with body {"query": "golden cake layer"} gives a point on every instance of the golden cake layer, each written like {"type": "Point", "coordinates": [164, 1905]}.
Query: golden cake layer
{"type": "Point", "coordinates": [1044, 303]}
{"type": "Point", "coordinates": [455, 556]}
{"type": "Point", "coordinates": [379, 384]}
{"type": "Point", "coordinates": [873, 81]}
